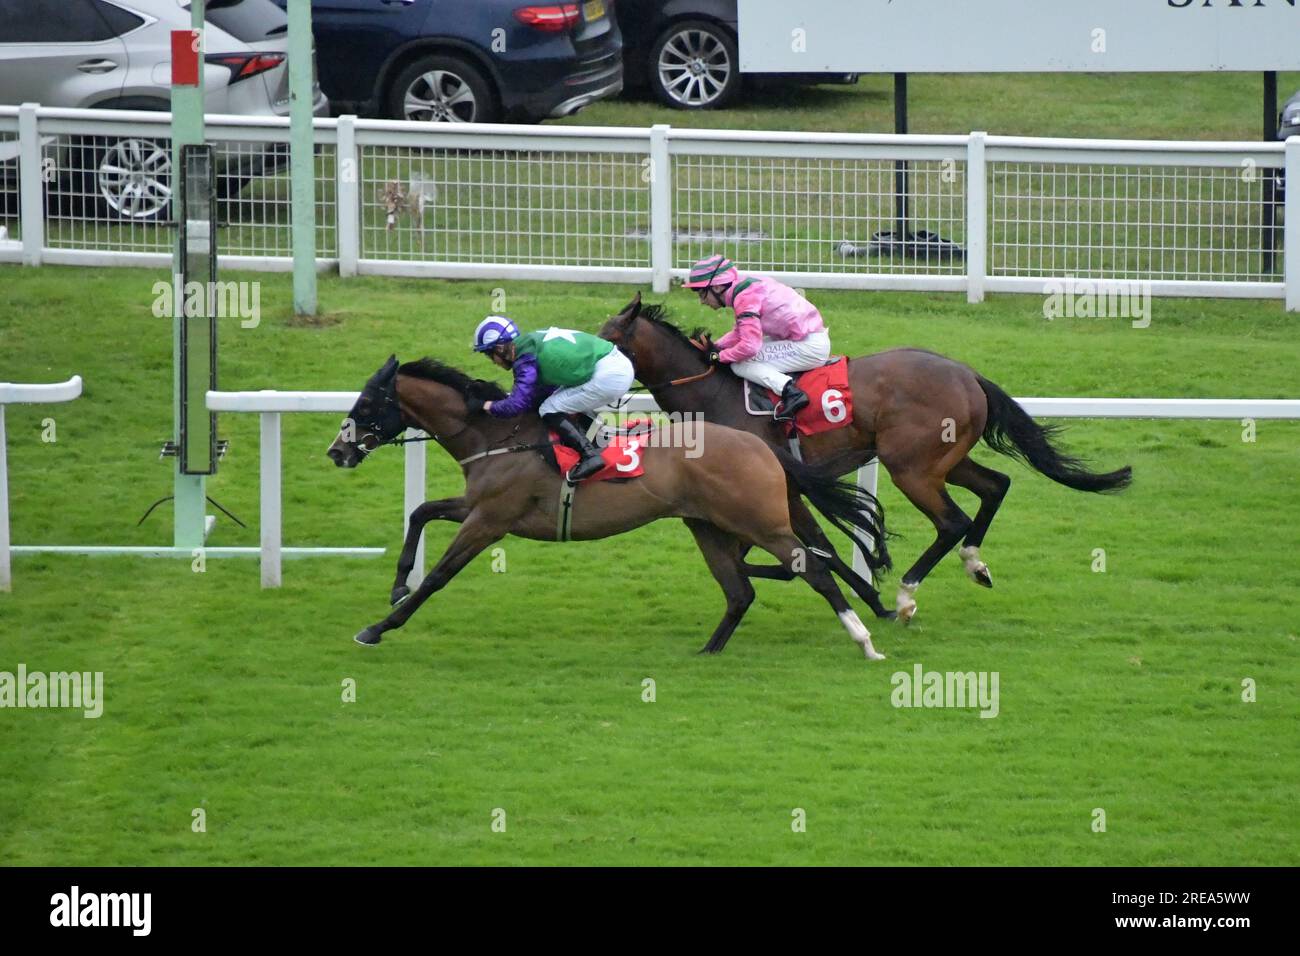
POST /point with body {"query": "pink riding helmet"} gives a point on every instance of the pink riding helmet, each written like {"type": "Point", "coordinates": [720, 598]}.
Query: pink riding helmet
{"type": "Point", "coordinates": [717, 269]}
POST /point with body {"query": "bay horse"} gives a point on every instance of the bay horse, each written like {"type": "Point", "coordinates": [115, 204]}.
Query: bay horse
{"type": "Point", "coordinates": [731, 493]}
{"type": "Point", "coordinates": [919, 412]}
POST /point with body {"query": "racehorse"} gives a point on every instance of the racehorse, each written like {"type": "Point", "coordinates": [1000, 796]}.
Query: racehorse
{"type": "Point", "coordinates": [919, 412]}
{"type": "Point", "coordinates": [731, 494]}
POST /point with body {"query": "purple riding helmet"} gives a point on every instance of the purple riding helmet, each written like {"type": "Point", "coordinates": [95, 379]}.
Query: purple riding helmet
{"type": "Point", "coordinates": [493, 331]}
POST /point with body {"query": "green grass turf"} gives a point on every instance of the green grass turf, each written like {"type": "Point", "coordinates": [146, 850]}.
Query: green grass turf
{"type": "Point", "coordinates": [522, 690]}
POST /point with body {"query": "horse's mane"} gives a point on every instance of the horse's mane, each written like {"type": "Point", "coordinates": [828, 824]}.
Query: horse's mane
{"type": "Point", "coordinates": [657, 312]}
{"type": "Point", "coordinates": [434, 371]}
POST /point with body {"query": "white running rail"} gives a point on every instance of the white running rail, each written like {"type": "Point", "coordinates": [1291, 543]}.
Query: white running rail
{"type": "Point", "coordinates": [272, 404]}
{"type": "Point", "coordinates": [11, 394]}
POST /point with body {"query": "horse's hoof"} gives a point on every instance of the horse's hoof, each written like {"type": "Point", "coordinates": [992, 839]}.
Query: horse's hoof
{"type": "Point", "coordinates": [400, 594]}
{"type": "Point", "coordinates": [709, 650]}
{"type": "Point", "coordinates": [982, 577]}
{"type": "Point", "coordinates": [369, 637]}
{"type": "Point", "coordinates": [885, 615]}
{"type": "Point", "coordinates": [905, 612]}
{"type": "Point", "coordinates": [872, 655]}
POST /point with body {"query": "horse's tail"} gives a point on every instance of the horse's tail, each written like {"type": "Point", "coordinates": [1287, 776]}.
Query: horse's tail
{"type": "Point", "coordinates": [1010, 431]}
{"type": "Point", "coordinates": [852, 510]}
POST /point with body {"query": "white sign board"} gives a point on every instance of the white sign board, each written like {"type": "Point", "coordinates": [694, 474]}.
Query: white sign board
{"type": "Point", "coordinates": [1032, 36]}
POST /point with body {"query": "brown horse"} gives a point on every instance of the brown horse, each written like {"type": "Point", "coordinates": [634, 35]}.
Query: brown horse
{"type": "Point", "coordinates": [728, 486]}
{"type": "Point", "coordinates": [919, 412]}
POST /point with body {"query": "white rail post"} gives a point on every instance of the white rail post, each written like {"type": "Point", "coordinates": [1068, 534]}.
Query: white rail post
{"type": "Point", "coordinates": [31, 185]}
{"type": "Point", "coordinates": [5, 572]}
{"type": "Point", "coordinates": [661, 210]}
{"type": "Point", "coordinates": [416, 466]}
{"type": "Point", "coordinates": [868, 476]}
{"type": "Point", "coordinates": [270, 505]}
{"type": "Point", "coordinates": [347, 186]}
{"type": "Point", "coordinates": [977, 218]}
{"type": "Point", "coordinates": [1291, 229]}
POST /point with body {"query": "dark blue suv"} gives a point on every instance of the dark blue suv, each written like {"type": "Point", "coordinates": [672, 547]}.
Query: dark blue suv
{"type": "Point", "coordinates": [466, 61]}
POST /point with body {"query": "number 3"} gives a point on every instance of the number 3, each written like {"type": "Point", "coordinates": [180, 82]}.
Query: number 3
{"type": "Point", "coordinates": [633, 452]}
{"type": "Point", "coordinates": [832, 407]}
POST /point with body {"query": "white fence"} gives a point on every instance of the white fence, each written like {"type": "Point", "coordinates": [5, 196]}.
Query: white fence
{"type": "Point", "coordinates": [629, 205]}
{"type": "Point", "coordinates": [271, 405]}
{"type": "Point", "coordinates": [11, 394]}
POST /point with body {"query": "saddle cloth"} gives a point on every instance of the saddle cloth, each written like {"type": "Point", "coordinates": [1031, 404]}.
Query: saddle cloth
{"type": "Point", "coordinates": [622, 453]}
{"type": "Point", "coordinates": [830, 401]}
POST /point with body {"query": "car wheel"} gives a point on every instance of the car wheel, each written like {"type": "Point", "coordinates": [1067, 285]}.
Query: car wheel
{"type": "Point", "coordinates": [129, 178]}
{"type": "Point", "coordinates": [442, 89]}
{"type": "Point", "coordinates": [694, 66]}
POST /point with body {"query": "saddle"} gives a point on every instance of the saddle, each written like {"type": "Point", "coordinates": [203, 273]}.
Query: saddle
{"type": "Point", "coordinates": [830, 404]}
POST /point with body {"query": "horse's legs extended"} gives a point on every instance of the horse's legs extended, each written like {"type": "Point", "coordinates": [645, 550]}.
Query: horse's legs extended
{"type": "Point", "coordinates": [771, 572]}
{"type": "Point", "coordinates": [950, 523]}
{"type": "Point", "coordinates": [473, 536]}
{"type": "Point", "coordinates": [786, 548]}
{"type": "Point", "coordinates": [810, 532]}
{"type": "Point", "coordinates": [991, 487]}
{"type": "Point", "coordinates": [449, 509]}
{"type": "Point", "coordinates": [722, 553]}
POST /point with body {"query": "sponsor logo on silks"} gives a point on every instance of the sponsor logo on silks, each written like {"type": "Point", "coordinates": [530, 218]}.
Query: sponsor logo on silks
{"type": "Point", "coordinates": [82, 690]}
{"type": "Point", "coordinates": [133, 910]}
{"type": "Point", "coordinates": [923, 688]}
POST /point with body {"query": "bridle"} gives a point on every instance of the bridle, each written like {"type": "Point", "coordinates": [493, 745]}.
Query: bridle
{"type": "Point", "coordinates": [686, 380]}
{"type": "Point", "coordinates": [390, 422]}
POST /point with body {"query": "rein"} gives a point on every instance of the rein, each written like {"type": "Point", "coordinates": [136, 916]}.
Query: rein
{"type": "Point", "coordinates": [680, 381]}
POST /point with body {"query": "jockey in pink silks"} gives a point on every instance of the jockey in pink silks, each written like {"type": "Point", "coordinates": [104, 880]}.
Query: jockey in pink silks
{"type": "Point", "coordinates": [777, 330]}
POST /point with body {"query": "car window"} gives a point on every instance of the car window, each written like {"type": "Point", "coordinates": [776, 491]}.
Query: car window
{"type": "Point", "coordinates": [68, 21]}
{"type": "Point", "coordinates": [248, 20]}
{"type": "Point", "coordinates": [119, 21]}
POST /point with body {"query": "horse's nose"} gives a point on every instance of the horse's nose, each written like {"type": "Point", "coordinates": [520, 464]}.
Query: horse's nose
{"type": "Point", "coordinates": [335, 455]}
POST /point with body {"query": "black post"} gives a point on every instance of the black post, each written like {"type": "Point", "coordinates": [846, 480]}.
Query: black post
{"type": "Point", "coordinates": [900, 166]}
{"type": "Point", "coordinates": [1270, 195]}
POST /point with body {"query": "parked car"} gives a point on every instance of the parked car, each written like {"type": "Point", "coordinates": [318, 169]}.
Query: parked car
{"type": "Point", "coordinates": [466, 61]}
{"type": "Point", "coordinates": [116, 54]}
{"type": "Point", "coordinates": [686, 53]}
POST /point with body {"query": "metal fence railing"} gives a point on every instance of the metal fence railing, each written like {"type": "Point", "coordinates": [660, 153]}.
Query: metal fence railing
{"type": "Point", "coordinates": [970, 213]}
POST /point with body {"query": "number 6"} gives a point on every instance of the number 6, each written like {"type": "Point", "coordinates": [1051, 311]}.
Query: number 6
{"type": "Point", "coordinates": [832, 406]}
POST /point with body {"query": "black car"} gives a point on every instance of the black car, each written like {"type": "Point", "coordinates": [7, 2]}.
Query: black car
{"type": "Point", "coordinates": [685, 52]}
{"type": "Point", "coordinates": [466, 61]}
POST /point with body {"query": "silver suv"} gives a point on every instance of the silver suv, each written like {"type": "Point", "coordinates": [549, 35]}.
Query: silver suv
{"type": "Point", "coordinates": [116, 54]}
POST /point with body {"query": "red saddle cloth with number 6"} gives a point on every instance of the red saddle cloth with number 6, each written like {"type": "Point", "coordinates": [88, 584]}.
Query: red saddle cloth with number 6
{"type": "Point", "coordinates": [830, 403]}
{"type": "Point", "coordinates": [622, 454]}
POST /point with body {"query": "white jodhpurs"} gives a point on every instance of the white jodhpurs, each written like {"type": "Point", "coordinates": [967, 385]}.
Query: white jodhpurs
{"type": "Point", "coordinates": [609, 382]}
{"type": "Point", "coordinates": [768, 368]}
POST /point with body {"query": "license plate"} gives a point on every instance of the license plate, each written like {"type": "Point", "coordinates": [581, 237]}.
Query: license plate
{"type": "Point", "coordinates": [593, 10]}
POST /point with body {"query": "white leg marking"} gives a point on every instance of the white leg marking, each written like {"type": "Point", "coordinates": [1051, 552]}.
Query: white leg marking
{"type": "Point", "coordinates": [976, 569]}
{"type": "Point", "coordinates": [905, 604]}
{"type": "Point", "coordinates": [858, 631]}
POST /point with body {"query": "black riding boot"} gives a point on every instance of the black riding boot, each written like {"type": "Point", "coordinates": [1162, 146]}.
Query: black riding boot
{"type": "Point", "coordinates": [793, 399]}
{"type": "Point", "coordinates": [572, 436]}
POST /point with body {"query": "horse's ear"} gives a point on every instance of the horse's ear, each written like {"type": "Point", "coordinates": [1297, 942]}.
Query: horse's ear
{"type": "Point", "coordinates": [630, 311]}
{"type": "Point", "coordinates": [389, 369]}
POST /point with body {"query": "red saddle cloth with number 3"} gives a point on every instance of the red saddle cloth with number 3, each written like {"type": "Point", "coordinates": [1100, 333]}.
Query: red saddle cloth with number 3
{"type": "Point", "coordinates": [830, 403]}
{"type": "Point", "coordinates": [622, 456]}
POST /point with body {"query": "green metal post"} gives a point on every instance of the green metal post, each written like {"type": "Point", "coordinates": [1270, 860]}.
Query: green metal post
{"type": "Point", "coordinates": [188, 529]}
{"type": "Point", "coordinates": [302, 160]}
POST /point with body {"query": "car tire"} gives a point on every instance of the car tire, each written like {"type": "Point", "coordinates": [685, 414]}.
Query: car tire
{"type": "Point", "coordinates": [694, 65]}
{"type": "Point", "coordinates": [126, 179]}
{"type": "Point", "coordinates": [442, 89]}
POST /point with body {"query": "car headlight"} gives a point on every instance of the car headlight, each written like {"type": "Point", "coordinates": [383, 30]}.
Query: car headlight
{"type": "Point", "coordinates": [1291, 117]}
